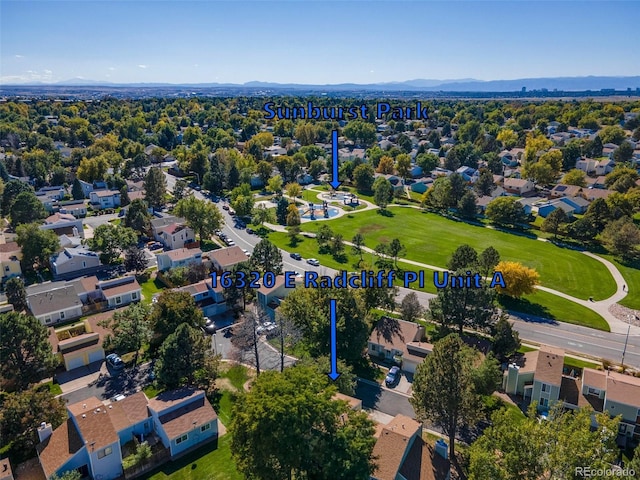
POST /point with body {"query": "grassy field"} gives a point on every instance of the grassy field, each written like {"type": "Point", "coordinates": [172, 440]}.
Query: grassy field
{"type": "Point", "coordinates": [150, 288]}
{"type": "Point", "coordinates": [631, 274]}
{"type": "Point", "coordinates": [211, 462]}
{"type": "Point", "coordinates": [431, 239]}
{"type": "Point", "coordinates": [547, 305]}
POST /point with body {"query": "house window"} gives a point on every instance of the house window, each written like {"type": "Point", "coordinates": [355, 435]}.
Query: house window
{"type": "Point", "coordinates": [6, 268]}
{"type": "Point", "coordinates": [544, 402]}
{"type": "Point", "coordinates": [84, 264]}
{"type": "Point", "coordinates": [205, 427]}
{"type": "Point", "coordinates": [118, 300]}
{"type": "Point", "coordinates": [61, 315]}
{"type": "Point", "coordinates": [104, 452]}
{"type": "Point", "coordinates": [47, 319]}
{"type": "Point", "coordinates": [623, 428]}
{"type": "Point", "coordinates": [134, 295]}
{"type": "Point", "coordinates": [374, 347]}
{"type": "Point", "coordinates": [545, 387]}
{"type": "Point", "coordinates": [181, 439]}
{"type": "Point", "coordinates": [593, 391]}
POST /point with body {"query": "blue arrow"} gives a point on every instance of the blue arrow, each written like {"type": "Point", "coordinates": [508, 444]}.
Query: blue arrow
{"type": "Point", "coordinates": [333, 374]}
{"type": "Point", "coordinates": [335, 183]}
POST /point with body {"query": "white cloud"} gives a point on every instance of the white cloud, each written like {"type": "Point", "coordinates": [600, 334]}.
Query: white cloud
{"type": "Point", "coordinates": [46, 76]}
{"type": "Point", "coordinates": [142, 66]}
{"type": "Point", "coordinates": [48, 72]}
{"type": "Point", "coordinates": [19, 56]}
{"type": "Point", "coordinates": [111, 69]}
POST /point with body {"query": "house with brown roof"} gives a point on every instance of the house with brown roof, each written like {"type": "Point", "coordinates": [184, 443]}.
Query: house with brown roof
{"type": "Point", "coordinates": [209, 298]}
{"type": "Point", "coordinates": [536, 376]}
{"type": "Point", "coordinates": [518, 186]}
{"type": "Point", "coordinates": [225, 258]}
{"type": "Point", "coordinates": [400, 342]}
{"type": "Point", "coordinates": [175, 235]}
{"type": "Point", "coordinates": [562, 190]}
{"type": "Point", "coordinates": [104, 199]}
{"type": "Point", "coordinates": [120, 291]}
{"type": "Point", "coordinates": [401, 453]}
{"type": "Point", "coordinates": [10, 255]}
{"type": "Point", "coordinates": [64, 224]}
{"type": "Point", "coordinates": [57, 304]}
{"type": "Point", "coordinates": [270, 295]}
{"type": "Point", "coordinates": [178, 258]}
{"type": "Point", "coordinates": [92, 439]}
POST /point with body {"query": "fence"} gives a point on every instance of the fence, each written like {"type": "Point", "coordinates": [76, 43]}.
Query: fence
{"type": "Point", "coordinates": [155, 460]}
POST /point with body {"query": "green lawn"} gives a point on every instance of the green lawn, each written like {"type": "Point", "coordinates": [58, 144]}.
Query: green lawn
{"type": "Point", "coordinates": [237, 375]}
{"type": "Point", "coordinates": [431, 239]}
{"type": "Point", "coordinates": [150, 288]}
{"type": "Point", "coordinates": [578, 363]}
{"type": "Point", "coordinates": [54, 388]}
{"type": "Point", "coordinates": [547, 305]}
{"type": "Point", "coordinates": [631, 274]}
{"type": "Point", "coordinates": [211, 462]}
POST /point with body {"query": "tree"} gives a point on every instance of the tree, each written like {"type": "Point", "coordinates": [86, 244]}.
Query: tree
{"type": "Point", "coordinates": [361, 132]}
{"type": "Point", "coordinates": [68, 475]}
{"type": "Point", "coordinates": [505, 211]}
{"type": "Point", "coordinates": [155, 187]}
{"type": "Point", "coordinates": [508, 137]}
{"type": "Point", "coordinates": [337, 246]}
{"type": "Point", "coordinates": [172, 309]}
{"type": "Point", "coordinates": [242, 200]}
{"type": "Point", "coordinates": [275, 184]}
{"type": "Point", "coordinates": [574, 177]}
{"type": "Point", "coordinates": [92, 169]}
{"type": "Point", "coordinates": [135, 260]}
{"type": "Point", "coordinates": [395, 250]}
{"type": "Point", "coordinates": [506, 341]}
{"type": "Point", "coordinates": [23, 412]}
{"type": "Point", "coordinates": [282, 207]}
{"type": "Point", "coordinates": [37, 245]}
{"type": "Point", "coordinates": [76, 190]}
{"type": "Point", "coordinates": [316, 167]}
{"type": "Point", "coordinates": [25, 352]}
{"type": "Point", "coordinates": [624, 153]}
{"type": "Point", "coordinates": [357, 246]}
{"type": "Point", "coordinates": [293, 216]}
{"type": "Point", "coordinates": [262, 215]}
{"type": "Point", "coordinates": [385, 165]}
{"type": "Point", "coordinates": [130, 329]}
{"type": "Point", "coordinates": [428, 162]}
{"type": "Point", "coordinates": [519, 279]}
{"type": "Point", "coordinates": [529, 449]}
{"type": "Point", "coordinates": [554, 221]}
{"type": "Point", "coordinates": [621, 237]}
{"type": "Point", "coordinates": [293, 189]}
{"type": "Point", "coordinates": [266, 257]}
{"type": "Point", "coordinates": [181, 355]}
{"type": "Point", "coordinates": [246, 340]}
{"type": "Point", "coordinates": [484, 185]}
{"type": "Point", "coordinates": [443, 388]}
{"type": "Point", "coordinates": [308, 310]}
{"type": "Point", "coordinates": [363, 177]}
{"type": "Point", "coordinates": [612, 134]}
{"type": "Point", "coordinates": [438, 197]}
{"type": "Point", "coordinates": [382, 192]}
{"type": "Point", "coordinates": [466, 307]}
{"type": "Point", "coordinates": [202, 216]}
{"type": "Point", "coordinates": [12, 189]}
{"type": "Point", "coordinates": [488, 260]}
{"type": "Point", "coordinates": [16, 293]}
{"type": "Point", "coordinates": [27, 209]}
{"type": "Point", "coordinates": [271, 440]}
{"type": "Point", "coordinates": [467, 206]}
{"type": "Point", "coordinates": [111, 241]}
{"type": "Point", "coordinates": [410, 307]}
{"type": "Point", "coordinates": [180, 189]}
{"type": "Point", "coordinates": [138, 217]}
{"type": "Point", "coordinates": [263, 170]}
{"type": "Point", "coordinates": [539, 173]}
{"type": "Point", "coordinates": [324, 236]}
{"type": "Point", "coordinates": [403, 165]}
{"type": "Point", "coordinates": [464, 257]}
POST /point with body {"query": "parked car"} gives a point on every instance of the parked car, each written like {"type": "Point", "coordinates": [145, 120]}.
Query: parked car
{"type": "Point", "coordinates": [114, 361]}
{"type": "Point", "coordinates": [296, 256]}
{"type": "Point", "coordinates": [229, 242]}
{"type": "Point", "coordinates": [314, 261]}
{"type": "Point", "coordinates": [250, 231]}
{"type": "Point", "coordinates": [225, 207]}
{"type": "Point", "coordinates": [393, 377]}
{"type": "Point", "coordinates": [232, 212]}
{"type": "Point", "coordinates": [209, 326]}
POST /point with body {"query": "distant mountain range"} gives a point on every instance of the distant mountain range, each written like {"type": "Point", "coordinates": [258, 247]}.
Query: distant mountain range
{"type": "Point", "coordinates": [567, 84]}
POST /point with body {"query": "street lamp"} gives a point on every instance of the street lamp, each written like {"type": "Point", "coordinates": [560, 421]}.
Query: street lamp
{"type": "Point", "coordinates": [627, 339]}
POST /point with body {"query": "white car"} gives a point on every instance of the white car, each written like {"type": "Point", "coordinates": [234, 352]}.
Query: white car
{"type": "Point", "coordinates": [314, 261]}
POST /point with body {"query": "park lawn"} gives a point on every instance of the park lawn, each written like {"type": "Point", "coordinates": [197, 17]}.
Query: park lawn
{"type": "Point", "coordinates": [431, 239]}
{"type": "Point", "coordinates": [632, 278]}
{"type": "Point", "coordinates": [547, 305]}
{"type": "Point", "coordinates": [211, 462]}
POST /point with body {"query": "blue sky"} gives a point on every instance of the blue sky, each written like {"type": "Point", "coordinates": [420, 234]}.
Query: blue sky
{"type": "Point", "coordinates": [314, 42]}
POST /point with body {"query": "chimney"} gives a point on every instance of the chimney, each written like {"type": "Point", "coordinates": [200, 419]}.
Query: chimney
{"type": "Point", "coordinates": [420, 334]}
{"type": "Point", "coordinates": [442, 448]}
{"type": "Point", "coordinates": [44, 431]}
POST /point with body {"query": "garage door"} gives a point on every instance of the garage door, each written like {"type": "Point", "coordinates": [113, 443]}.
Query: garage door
{"type": "Point", "coordinates": [73, 362]}
{"type": "Point", "coordinates": [96, 356]}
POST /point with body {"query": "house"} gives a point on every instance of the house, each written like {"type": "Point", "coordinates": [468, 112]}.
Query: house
{"type": "Point", "coordinates": [53, 302]}
{"type": "Point", "coordinates": [80, 345]}
{"type": "Point", "coordinates": [536, 376]}
{"type": "Point", "coordinates": [518, 186]}
{"type": "Point", "coordinates": [604, 166]}
{"type": "Point", "coordinates": [175, 235]}
{"type": "Point", "coordinates": [74, 262]}
{"type": "Point", "coordinates": [468, 173]}
{"type": "Point", "coordinates": [207, 297]}
{"type": "Point", "coordinates": [355, 404]}
{"type": "Point", "coordinates": [87, 188]}
{"type": "Point", "coordinates": [399, 342]}
{"type": "Point", "coordinates": [545, 208]}
{"type": "Point", "coordinates": [179, 258]}
{"type": "Point", "coordinates": [225, 258]}
{"type": "Point", "coordinates": [157, 224]}
{"type": "Point", "coordinates": [183, 419]}
{"type": "Point", "coordinates": [560, 190]}
{"type": "Point", "coordinates": [120, 291]}
{"type": "Point", "coordinates": [587, 165]}
{"type": "Point", "coordinates": [77, 208]}
{"type": "Point", "coordinates": [10, 255]}
{"type": "Point", "coordinates": [270, 298]}
{"type": "Point", "coordinates": [421, 185]}
{"type": "Point", "coordinates": [529, 204]}
{"type": "Point", "coordinates": [593, 193]}
{"type": "Point", "coordinates": [93, 440]}
{"type": "Point", "coordinates": [101, 199]}
{"type": "Point", "coordinates": [579, 204]}
{"type": "Point", "coordinates": [49, 200]}
{"type": "Point", "coordinates": [401, 453]}
{"type": "Point", "coordinates": [508, 158]}
{"type": "Point", "coordinates": [64, 224]}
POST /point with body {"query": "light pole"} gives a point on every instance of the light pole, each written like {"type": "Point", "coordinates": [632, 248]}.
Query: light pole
{"type": "Point", "coordinates": [213, 340]}
{"type": "Point", "coordinates": [626, 339]}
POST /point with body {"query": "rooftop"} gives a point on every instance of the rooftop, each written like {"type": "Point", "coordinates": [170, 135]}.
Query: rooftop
{"type": "Point", "coordinates": [63, 443]}
{"type": "Point", "coordinates": [226, 257]}
{"type": "Point", "coordinates": [94, 423]}
{"type": "Point", "coordinates": [54, 300]}
{"type": "Point", "coordinates": [182, 253]}
{"type": "Point", "coordinates": [549, 365]}
{"type": "Point", "coordinates": [168, 399]}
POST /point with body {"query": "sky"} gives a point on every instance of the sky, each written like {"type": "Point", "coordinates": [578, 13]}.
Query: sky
{"type": "Point", "coordinates": [126, 41]}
